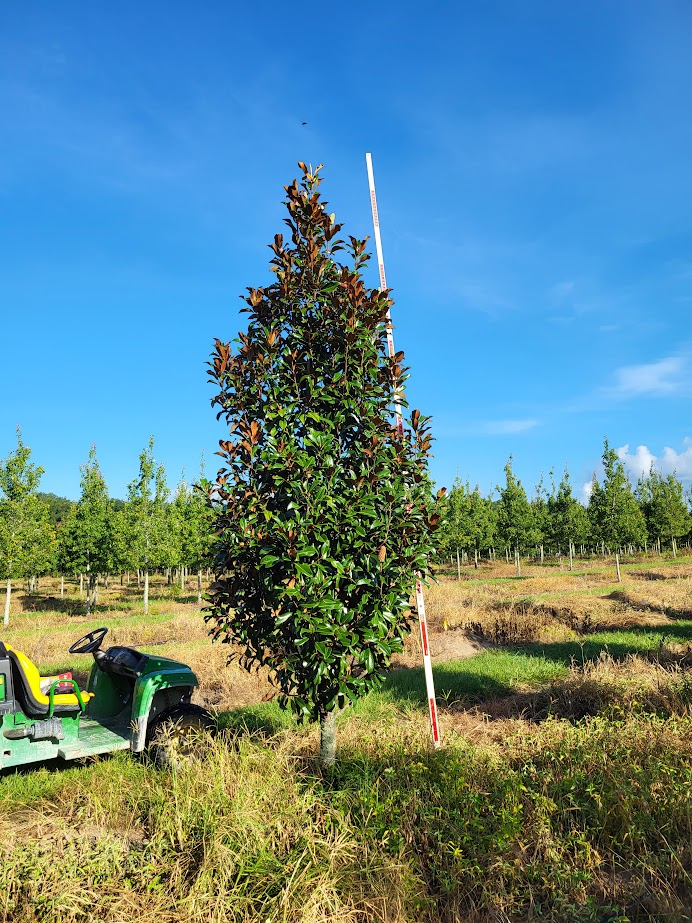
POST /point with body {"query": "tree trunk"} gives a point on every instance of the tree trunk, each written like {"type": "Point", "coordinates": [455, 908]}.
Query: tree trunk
{"type": "Point", "coordinates": [571, 555]}
{"type": "Point", "coordinates": [8, 594]}
{"type": "Point", "coordinates": [675, 547]}
{"type": "Point", "coordinates": [199, 587]}
{"type": "Point", "coordinates": [458, 566]}
{"type": "Point", "coordinates": [542, 554]}
{"type": "Point", "coordinates": [89, 595]}
{"type": "Point", "coordinates": [517, 560]}
{"type": "Point", "coordinates": [81, 584]}
{"type": "Point", "coordinates": [62, 586]}
{"type": "Point", "coordinates": [475, 558]}
{"type": "Point", "coordinates": [146, 591]}
{"type": "Point", "coordinates": [617, 566]}
{"type": "Point", "coordinates": [328, 738]}
{"type": "Point", "coordinates": [506, 554]}
{"type": "Point", "coordinates": [182, 579]}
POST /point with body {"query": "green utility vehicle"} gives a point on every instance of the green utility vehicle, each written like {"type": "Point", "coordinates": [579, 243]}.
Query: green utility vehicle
{"type": "Point", "coordinates": [133, 701]}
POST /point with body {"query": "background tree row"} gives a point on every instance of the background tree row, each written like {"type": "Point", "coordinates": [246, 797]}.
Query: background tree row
{"type": "Point", "coordinates": [98, 536]}
{"type": "Point", "coordinates": [618, 516]}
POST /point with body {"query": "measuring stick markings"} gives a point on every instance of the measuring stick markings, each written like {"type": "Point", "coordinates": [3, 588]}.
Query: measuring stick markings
{"type": "Point", "coordinates": [420, 601]}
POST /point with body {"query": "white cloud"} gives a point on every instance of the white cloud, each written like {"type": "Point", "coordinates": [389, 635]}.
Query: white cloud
{"type": "Point", "coordinates": [639, 463]}
{"type": "Point", "coordinates": [586, 492]}
{"type": "Point", "coordinates": [664, 377]}
{"type": "Point", "coordinates": [642, 459]}
{"type": "Point", "coordinates": [680, 462]}
{"type": "Point", "coordinates": [505, 427]}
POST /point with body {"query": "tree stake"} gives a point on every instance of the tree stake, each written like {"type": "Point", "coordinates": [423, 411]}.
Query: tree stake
{"type": "Point", "coordinates": [420, 602]}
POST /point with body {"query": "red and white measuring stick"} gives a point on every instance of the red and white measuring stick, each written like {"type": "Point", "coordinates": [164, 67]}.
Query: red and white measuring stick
{"type": "Point", "coordinates": [420, 602]}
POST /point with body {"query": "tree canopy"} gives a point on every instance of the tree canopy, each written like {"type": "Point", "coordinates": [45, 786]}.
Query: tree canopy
{"type": "Point", "coordinates": [324, 511]}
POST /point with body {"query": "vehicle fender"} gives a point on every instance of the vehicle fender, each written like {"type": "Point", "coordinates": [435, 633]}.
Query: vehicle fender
{"type": "Point", "coordinates": [157, 688]}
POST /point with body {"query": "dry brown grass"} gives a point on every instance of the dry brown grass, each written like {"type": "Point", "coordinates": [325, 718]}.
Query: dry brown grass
{"type": "Point", "coordinates": [548, 604]}
{"type": "Point", "coordinates": [256, 833]}
{"type": "Point", "coordinates": [606, 687]}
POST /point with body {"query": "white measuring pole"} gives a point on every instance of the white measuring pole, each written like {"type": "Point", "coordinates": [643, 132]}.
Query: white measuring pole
{"type": "Point", "coordinates": [383, 286]}
{"type": "Point", "coordinates": [420, 602]}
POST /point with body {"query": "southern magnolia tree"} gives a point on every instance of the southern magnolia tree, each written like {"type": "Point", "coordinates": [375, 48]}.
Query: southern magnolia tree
{"type": "Point", "coordinates": [86, 538]}
{"type": "Point", "coordinates": [615, 516]}
{"type": "Point", "coordinates": [323, 511]}
{"type": "Point", "coordinates": [26, 537]}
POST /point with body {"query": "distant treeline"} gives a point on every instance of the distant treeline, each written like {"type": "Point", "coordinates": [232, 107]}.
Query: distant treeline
{"type": "Point", "coordinates": [619, 517]}
{"type": "Point", "coordinates": [156, 529]}
{"type": "Point", "coordinates": [59, 507]}
{"type": "Point", "coordinates": [96, 536]}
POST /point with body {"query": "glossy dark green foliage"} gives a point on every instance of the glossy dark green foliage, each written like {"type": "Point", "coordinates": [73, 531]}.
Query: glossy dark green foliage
{"type": "Point", "coordinates": [323, 511]}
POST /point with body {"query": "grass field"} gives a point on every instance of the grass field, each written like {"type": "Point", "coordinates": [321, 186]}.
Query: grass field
{"type": "Point", "coordinates": [562, 791]}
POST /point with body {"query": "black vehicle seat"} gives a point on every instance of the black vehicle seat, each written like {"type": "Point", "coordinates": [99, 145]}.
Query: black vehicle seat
{"type": "Point", "coordinates": [27, 682]}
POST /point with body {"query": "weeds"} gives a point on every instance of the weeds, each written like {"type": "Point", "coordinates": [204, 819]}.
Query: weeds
{"type": "Point", "coordinates": [565, 823]}
{"type": "Point", "coordinates": [561, 793]}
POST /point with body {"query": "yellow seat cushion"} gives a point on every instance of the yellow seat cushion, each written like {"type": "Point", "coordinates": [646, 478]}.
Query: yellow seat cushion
{"type": "Point", "coordinates": [34, 679]}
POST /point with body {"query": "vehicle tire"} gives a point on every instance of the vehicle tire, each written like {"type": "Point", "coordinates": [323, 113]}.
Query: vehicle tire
{"type": "Point", "coordinates": [179, 735]}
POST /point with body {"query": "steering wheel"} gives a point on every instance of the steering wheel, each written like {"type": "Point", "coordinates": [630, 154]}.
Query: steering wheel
{"type": "Point", "coordinates": [89, 643]}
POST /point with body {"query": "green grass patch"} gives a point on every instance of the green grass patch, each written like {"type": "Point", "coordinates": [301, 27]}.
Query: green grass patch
{"type": "Point", "coordinates": [645, 639]}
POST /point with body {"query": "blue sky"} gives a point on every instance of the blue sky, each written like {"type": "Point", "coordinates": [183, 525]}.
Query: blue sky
{"type": "Point", "coordinates": [533, 175]}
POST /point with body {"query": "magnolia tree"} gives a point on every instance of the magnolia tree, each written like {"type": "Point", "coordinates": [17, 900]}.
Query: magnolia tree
{"type": "Point", "coordinates": [323, 511]}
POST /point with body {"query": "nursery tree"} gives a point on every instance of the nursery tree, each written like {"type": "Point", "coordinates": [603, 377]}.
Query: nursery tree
{"type": "Point", "coordinates": [515, 517]}
{"type": "Point", "coordinates": [147, 517]}
{"type": "Point", "coordinates": [664, 507]}
{"type": "Point", "coordinates": [568, 521]}
{"type": "Point", "coordinates": [26, 537]}
{"type": "Point", "coordinates": [614, 513]}
{"type": "Point", "coordinates": [86, 537]}
{"type": "Point", "coordinates": [484, 518]}
{"type": "Point", "coordinates": [458, 528]}
{"type": "Point", "coordinates": [539, 510]}
{"type": "Point", "coordinates": [191, 529]}
{"type": "Point", "coordinates": [323, 510]}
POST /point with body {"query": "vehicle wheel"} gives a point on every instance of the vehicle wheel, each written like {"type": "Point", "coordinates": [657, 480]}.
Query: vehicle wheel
{"type": "Point", "coordinates": [179, 735]}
